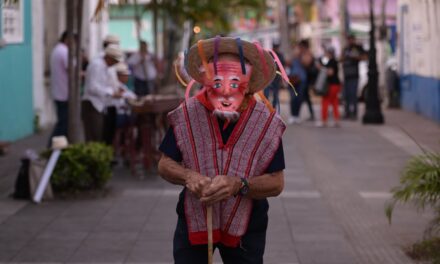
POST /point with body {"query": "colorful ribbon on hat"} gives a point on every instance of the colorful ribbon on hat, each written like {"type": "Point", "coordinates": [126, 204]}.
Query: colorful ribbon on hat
{"type": "Point", "coordinates": [263, 61]}
{"type": "Point", "coordinates": [240, 54]}
{"type": "Point", "coordinates": [216, 43]}
{"type": "Point", "coordinates": [282, 72]}
{"type": "Point", "coordinates": [176, 71]}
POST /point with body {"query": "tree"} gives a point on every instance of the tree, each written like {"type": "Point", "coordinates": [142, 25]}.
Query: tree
{"type": "Point", "coordinates": [174, 14]}
{"type": "Point", "coordinates": [74, 28]}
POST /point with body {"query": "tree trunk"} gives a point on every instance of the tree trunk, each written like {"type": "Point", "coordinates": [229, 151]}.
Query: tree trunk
{"type": "Point", "coordinates": [138, 21]}
{"type": "Point", "coordinates": [283, 24]}
{"type": "Point", "coordinates": [74, 25]}
{"type": "Point", "coordinates": [155, 30]}
{"type": "Point", "coordinates": [70, 24]}
{"type": "Point", "coordinates": [74, 98]}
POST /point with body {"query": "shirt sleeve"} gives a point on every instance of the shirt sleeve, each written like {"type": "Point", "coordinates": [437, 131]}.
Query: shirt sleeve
{"type": "Point", "coordinates": [133, 60]}
{"type": "Point", "coordinates": [169, 146]}
{"type": "Point", "coordinates": [277, 163]}
{"type": "Point", "coordinates": [65, 59]}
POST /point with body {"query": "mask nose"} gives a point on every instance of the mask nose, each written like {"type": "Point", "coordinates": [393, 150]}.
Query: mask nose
{"type": "Point", "coordinates": [227, 89]}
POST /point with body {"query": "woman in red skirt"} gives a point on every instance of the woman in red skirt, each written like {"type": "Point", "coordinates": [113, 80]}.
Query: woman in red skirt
{"type": "Point", "coordinates": [334, 86]}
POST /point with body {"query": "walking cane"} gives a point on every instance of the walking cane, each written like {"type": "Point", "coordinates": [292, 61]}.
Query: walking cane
{"type": "Point", "coordinates": [209, 224]}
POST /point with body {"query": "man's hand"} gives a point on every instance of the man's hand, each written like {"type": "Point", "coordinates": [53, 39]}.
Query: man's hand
{"type": "Point", "coordinates": [221, 187]}
{"type": "Point", "coordinates": [118, 94]}
{"type": "Point", "coordinates": [196, 183]}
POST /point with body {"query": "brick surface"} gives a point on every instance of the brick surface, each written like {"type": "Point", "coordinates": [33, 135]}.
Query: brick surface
{"type": "Point", "coordinates": [336, 184]}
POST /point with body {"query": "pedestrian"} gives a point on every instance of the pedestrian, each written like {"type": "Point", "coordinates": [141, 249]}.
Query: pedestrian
{"type": "Point", "coordinates": [99, 89]}
{"type": "Point", "coordinates": [274, 86]}
{"type": "Point", "coordinates": [225, 148]}
{"type": "Point", "coordinates": [298, 77]}
{"type": "Point", "coordinates": [334, 87]}
{"type": "Point", "coordinates": [143, 65]}
{"type": "Point", "coordinates": [352, 54]}
{"type": "Point", "coordinates": [122, 108]}
{"type": "Point", "coordinates": [110, 40]}
{"type": "Point", "coordinates": [308, 62]}
{"type": "Point", "coordinates": [59, 83]}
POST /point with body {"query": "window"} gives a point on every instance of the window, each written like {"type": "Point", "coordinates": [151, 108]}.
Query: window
{"type": "Point", "coordinates": [12, 20]}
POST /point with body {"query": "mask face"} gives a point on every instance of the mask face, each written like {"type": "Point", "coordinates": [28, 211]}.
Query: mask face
{"type": "Point", "coordinates": [227, 89]}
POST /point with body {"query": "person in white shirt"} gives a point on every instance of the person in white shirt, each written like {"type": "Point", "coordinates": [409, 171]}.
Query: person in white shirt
{"type": "Point", "coordinates": [59, 83]}
{"type": "Point", "coordinates": [99, 90]}
{"type": "Point", "coordinates": [144, 70]}
{"type": "Point", "coordinates": [110, 40]}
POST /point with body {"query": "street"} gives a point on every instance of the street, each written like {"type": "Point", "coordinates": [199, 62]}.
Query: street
{"type": "Point", "coordinates": [337, 181]}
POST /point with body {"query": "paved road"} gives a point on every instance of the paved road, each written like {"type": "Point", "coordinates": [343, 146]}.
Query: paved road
{"type": "Point", "coordinates": [331, 211]}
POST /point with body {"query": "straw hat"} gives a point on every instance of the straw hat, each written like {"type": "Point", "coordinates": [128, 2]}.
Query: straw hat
{"type": "Point", "coordinates": [122, 68]}
{"type": "Point", "coordinates": [114, 52]}
{"type": "Point", "coordinates": [263, 72]}
{"type": "Point", "coordinates": [59, 142]}
{"type": "Point", "coordinates": [111, 39]}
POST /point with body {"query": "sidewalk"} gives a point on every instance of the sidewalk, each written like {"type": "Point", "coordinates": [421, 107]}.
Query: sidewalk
{"type": "Point", "coordinates": [331, 210]}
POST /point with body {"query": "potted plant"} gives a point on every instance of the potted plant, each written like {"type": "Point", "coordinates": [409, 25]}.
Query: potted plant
{"type": "Point", "coordinates": [420, 185]}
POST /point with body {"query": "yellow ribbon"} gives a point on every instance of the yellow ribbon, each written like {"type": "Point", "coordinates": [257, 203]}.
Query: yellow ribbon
{"type": "Point", "coordinates": [176, 71]}
{"type": "Point", "coordinates": [289, 83]}
{"type": "Point", "coordinates": [203, 57]}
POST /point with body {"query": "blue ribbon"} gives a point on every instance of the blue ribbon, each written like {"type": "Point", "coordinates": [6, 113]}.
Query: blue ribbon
{"type": "Point", "coordinates": [185, 59]}
{"type": "Point", "coordinates": [216, 43]}
{"type": "Point", "coordinates": [240, 53]}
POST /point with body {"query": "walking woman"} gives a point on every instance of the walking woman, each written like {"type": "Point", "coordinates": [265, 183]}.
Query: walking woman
{"type": "Point", "coordinates": [334, 86]}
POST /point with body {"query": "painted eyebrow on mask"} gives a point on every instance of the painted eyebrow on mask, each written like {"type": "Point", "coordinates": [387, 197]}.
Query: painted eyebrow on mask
{"type": "Point", "coordinates": [234, 78]}
{"type": "Point", "coordinates": [218, 78]}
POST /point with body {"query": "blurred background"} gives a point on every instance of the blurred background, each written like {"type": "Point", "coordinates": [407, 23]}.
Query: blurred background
{"type": "Point", "coordinates": [105, 202]}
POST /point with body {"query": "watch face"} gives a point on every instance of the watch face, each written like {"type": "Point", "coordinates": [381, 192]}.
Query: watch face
{"type": "Point", "coordinates": [244, 190]}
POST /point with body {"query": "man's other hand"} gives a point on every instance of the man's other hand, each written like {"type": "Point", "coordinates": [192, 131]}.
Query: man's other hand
{"type": "Point", "coordinates": [196, 183]}
{"type": "Point", "coordinates": [221, 188]}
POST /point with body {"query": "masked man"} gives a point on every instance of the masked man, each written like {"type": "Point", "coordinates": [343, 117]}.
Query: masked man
{"type": "Point", "coordinates": [225, 148]}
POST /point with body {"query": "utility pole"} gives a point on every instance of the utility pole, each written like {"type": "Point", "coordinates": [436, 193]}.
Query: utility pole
{"type": "Point", "coordinates": [343, 22]}
{"type": "Point", "coordinates": [282, 20]}
{"type": "Point", "coordinates": [74, 11]}
{"type": "Point", "coordinates": [373, 112]}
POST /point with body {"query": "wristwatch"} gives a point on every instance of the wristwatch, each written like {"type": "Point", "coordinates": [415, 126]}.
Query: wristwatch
{"type": "Point", "coordinates": [244, 187]}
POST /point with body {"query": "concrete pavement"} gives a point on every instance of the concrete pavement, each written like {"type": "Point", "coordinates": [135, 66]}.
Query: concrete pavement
{"type": "Point", "coordinates": [331, 211]}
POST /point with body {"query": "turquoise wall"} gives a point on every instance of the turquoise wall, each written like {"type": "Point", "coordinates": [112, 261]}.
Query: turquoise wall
{"type": "Point", "coordinates": [122, 24]}
{"type": "Point", "coordinates": [16, 96]}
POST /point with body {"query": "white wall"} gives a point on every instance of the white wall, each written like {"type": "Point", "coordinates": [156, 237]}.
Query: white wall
{"type": "Point", "coordinates": [418, 29]}
{"type": "Point", "coordinates": [93, 32]}
{"type": "Point", "coordinates": [43, 105]}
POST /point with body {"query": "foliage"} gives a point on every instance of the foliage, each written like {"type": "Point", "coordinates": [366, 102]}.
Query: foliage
{"type": "Point", "coordinates": [420, 184]}
{"type": "Point", "coordinates": [200, 12]}
{"type": "Point", "coordinates": [82, 167]}
{"type": "Point", "coordinates": [217, 13]}
{"type": "Point", "coordinates": [427, 250]}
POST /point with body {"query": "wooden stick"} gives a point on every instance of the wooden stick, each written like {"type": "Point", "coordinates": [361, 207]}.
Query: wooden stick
{"type": "Point", "coordinates": [209, 224]}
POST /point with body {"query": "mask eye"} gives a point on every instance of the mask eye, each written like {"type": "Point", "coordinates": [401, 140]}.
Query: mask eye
{"type": "Point", "coordinates": [234, 85]}
{"type": "Point", "coordinates": [217, 85]}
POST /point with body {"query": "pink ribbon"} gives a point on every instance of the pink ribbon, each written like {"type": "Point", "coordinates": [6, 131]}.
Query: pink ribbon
{"type": "Point", "coordinates": [263, 61]}
{"type": "Point", "coordinates": [280, 66]}
{"type": "Point", "coordinates": [188, 88]}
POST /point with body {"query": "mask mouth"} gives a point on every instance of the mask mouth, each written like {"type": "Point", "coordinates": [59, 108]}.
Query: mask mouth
{"type": "Point", "coordinates": [226, 104]}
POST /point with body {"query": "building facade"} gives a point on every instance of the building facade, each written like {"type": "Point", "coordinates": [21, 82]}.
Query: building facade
{"type": "Point", "coordinates": [28, 32]}
{"type": "Point", "coordinates": [418, 56]}
{"type": "Point", "coordinates": [16, 75]}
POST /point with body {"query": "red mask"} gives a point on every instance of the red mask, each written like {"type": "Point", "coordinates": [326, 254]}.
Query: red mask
{"type": "Point", "coordinates": [226, 89]}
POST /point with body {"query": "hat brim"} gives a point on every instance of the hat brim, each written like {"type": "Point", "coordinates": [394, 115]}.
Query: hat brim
{"type": "Point", "coordinates": [260, 77]}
